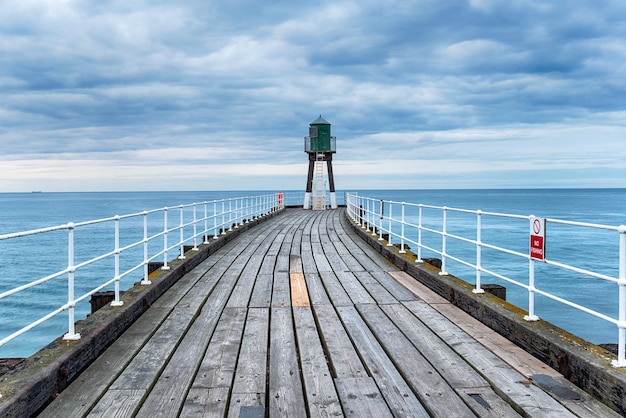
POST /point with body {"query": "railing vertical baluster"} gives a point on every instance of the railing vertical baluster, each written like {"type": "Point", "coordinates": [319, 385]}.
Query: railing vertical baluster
{"type": "Point", "coordinates": [117, 301]}
{"type": "Point", "coordinates": [531, 291]}
{"type": "Point", "coordinates": [181, 243]}
{"type": "Point", "coordinates": [402, 250]}
{"type": "Point", "coordinates": [248, 208]}
{"type": "Point", "coordinates": [621, 330]}
{"type": "Point", "coordinates": [444, 232]}
{"type": "Point", "coordinates": [382, 216]}
{"type": "Point", "coordinates": [230, 214]}
{"type": "Point", "coordinates": [195, 229]}
{"type": "Point", "coordinates": [237, 213]}
{"type": "Point", "coordinates": [419, 233]}
{"type": "Point", "coordinates": [478, 289]}
{"type": "Point", "coordinates": [215, 219]}
{"type": "Point", "coordinates": [71, 333]}
{"type": "Point", "coordinates": [389, 244]}
{"type": "Point", "coordinates": [205, 235]}
{"type": "Point", "coordinates": [145, 280]}
{"type": "Point", "coordinates": [223, 219]}
{"type": "Point", "coordinates": [165, 228]}
{"type": "Point", "coordinates": [531, 285]}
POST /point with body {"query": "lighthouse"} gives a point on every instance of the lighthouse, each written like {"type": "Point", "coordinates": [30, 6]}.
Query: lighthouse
{"type": "Point", "coordinates": [320, 146]}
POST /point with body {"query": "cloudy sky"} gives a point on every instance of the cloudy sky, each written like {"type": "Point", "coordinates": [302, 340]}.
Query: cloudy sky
{"type": "Point", "coordinates": [215, 95]}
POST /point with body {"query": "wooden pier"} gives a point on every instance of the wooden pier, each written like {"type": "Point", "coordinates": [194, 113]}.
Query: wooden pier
{"type": "Point", "coordinates": [300, 317]}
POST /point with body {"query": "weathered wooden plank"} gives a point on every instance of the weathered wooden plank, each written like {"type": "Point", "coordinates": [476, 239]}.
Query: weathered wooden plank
{"type": "Point", "coordinates": [485, 403]}
{"type": "Point", "coordinates": [317, 292]}
{"type": "Point", "coordinates": [168, 393]}
{"type": "Point", "coordinates": [120, 403]}
{"type": "Point", "coordinates": [433, 390]}
{"type": "Point", "coordinates": [245, 284]}
{"type": "Point", "coordinates": [457, 372]}
{"type": "Point", "coordinates": [417, 289]}
{"type": "Point", "coordinates": [262, 292]}
{"type": "Point", "coordinates": [377, 291]}
{"type": "Point", "coordinates": [507, 382]}
{"type": "Point", "coordinates": [84, 392]}
{"type": "Point", "coordinates": [398, 291]}
{"type": "Point", "coordinates": [147, 364]}
{"type": "Point", "coordinates": [355, 290]}
{"type": "Point", "coordinates": [242, 403]}
{"type": "Point", "coordinates": [206, 403]}
{"type": "Point", "coordinates": [399, 396]}
{"type": "Point", "coordinates": [250, 376]}
{"type": "Point", "coordinates": [343, 357]}
{"type": "Point", "coordinates": [321, 397]}
{"type": "Point", "coordinates": [335, 290]}
{"type": "Point", "coordinates": [286, 397]}
{"type": "Point", "coordinates": [218, 363]}
{"type": "Point", "coordinates": [360, 398]}
{"type": "Point", "coordinates": [523, 362]}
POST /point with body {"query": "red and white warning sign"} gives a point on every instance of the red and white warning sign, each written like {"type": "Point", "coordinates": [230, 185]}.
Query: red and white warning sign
{"type": "Point", "coordinates": [538, 238]}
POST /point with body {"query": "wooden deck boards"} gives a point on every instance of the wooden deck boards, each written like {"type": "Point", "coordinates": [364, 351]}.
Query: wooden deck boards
{"type": "Point", "coordinates": [299, 317]}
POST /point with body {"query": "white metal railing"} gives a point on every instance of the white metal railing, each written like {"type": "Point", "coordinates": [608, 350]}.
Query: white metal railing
{"type": "Point", "coordinates": [196, 222]}
{"type": "Point", "coordinates": [389, 218]}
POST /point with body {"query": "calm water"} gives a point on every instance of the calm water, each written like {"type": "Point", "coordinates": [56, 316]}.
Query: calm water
{"type": "Point", "coordinates": [26, 259]}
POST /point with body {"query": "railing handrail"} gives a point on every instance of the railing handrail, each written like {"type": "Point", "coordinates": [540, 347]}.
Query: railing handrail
{"type": "Point", "coordinates": [226, 213]}
{"type": "Point", "coordinates": [370, 213]}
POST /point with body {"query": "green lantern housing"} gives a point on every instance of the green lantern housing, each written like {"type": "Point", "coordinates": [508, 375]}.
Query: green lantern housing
{"type": "Point", "coordinates": [319, 139]}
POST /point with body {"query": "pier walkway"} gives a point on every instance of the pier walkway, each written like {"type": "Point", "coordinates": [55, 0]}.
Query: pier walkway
{"type": "Point", "coordinates": [300, 317]}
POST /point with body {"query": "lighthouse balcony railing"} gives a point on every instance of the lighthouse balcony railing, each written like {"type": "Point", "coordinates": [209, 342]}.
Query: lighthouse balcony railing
{"type": "Point", "coordinates": [311, 146]}
{"type": "Point", "coordinates": [91, 262]}
{"type": "Point", "coordinates": [478, 243]}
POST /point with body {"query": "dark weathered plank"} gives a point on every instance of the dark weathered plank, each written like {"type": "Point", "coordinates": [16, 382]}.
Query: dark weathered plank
{"type": "Point", "coordinates": [432, 389]}
{"type": "Point", "coordinates": [321, 397]}
{"type": "Point", "coordinates": [250, 376]}
{"type": "Point", "coordinates": [507, 382]}
{"type": "Point", "coordinates": [205, 403]}
{"type": "Point", "coordinates": [218, 363]}
{"type": "Point", "coordinates": [343, 357]}
{"type": "Point", "coordinates": [399, 396]}
{"type": "Point", "coordinates": [360, 397]}
{"type": "Point", "coordinates": [286, 397]}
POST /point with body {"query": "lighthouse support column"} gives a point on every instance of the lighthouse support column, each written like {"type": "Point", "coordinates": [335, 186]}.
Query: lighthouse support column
{"type": "Point", "coordinates": [309, 183]}
{"type": "Point", "coordinates": [331, 182]}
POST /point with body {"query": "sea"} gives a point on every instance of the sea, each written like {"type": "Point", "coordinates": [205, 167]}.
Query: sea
{"type": "Point", "coordinates": [23, 260]}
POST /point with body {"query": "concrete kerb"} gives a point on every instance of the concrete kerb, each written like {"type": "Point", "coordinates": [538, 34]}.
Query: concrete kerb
{"type": "Point", "coordinates": [39, 378]}
{"type": "Point", "coordinates": [581, 362]}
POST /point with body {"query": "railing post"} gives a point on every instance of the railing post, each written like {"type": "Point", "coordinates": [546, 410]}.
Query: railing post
{"type": "Point", "coordinates": [237, 213]}
{"type": "Point", "coordinates": [145, 280]}
{"type": "Point", "coordinates": [389, 244]}
{"type": "Point", "coordinates": [478, 289]}
{"type": "Point", "coordinates": [223, 217]}
{"type": "Point", "coordinates": [230, 214]}
{"type": "Point", "coordinates": [165, 265]}
{"type": "Point", "coordinates": [71, 335]}
{"type": "Point", "coordinates": [419, 234]}
{"type": "Point", "coordinates": [621, 340]}
{"type": "Point", "coordinates": [205, 235]}
{"type": "Point", "coordinates": [117, 301]}
{"type": "Point", "coordinates": [215, 219]}
{"type": "Point", "coordinates": [444, 232]}
{"type": "Point", "coordinates": [382, 216]}
{"type": "Point", "coordinates": [195, 229]}
{"type": "Point", "coordinates": [531, 285]}
{"type": "Point", "coordinates": [181, 256]}
{"type": "Point", "coordinates": [402, 250]}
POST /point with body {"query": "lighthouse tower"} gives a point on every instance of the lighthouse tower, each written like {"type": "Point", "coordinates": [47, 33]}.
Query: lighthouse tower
{"type": "Point", "coordinates": [320, 146]}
